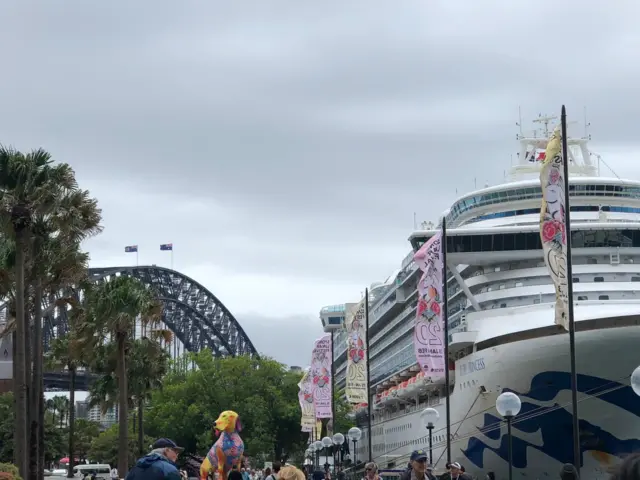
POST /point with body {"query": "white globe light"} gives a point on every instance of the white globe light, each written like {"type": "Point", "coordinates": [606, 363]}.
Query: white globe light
{"type": "Point", "coordinates": [312, 448]}
{"type": "Point", "coordinates": [338, 439]}
{"type": "Point", "coordinates": [429, 417]}
{"type": "Point", "coordinates": [508, 404]}
{"type": "Point", "coordinates": [327, 442]}
{"type": "Point", "coordinates": [307, 453]}
{"type": "Point", "coordinates": [318, 445]}
{"type": "Point", "coordinates": [635, 381]}
{"type": "Point", "coordinates": [354, 434]}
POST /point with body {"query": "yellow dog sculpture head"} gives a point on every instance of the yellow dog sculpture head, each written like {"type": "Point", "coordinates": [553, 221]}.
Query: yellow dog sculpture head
{"type": "Point", "coordinates": [229, 422]}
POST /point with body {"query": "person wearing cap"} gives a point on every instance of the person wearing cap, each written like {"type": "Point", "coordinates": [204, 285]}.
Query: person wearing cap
{"type": "Point", "coordinates": [457, 472]}
{"type": "Point", "coordinates": [159, 464]}
{"type": "Point", "coordinates": [420, 469]}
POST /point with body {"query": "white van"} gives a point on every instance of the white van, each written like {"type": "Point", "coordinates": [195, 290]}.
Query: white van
{"type": "Point", "coordinates": [102, 471]}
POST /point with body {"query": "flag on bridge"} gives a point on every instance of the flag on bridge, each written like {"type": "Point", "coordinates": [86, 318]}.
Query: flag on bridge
{"type": "Point", "coordinates": [166, 246]}
{"type": "Point", "coordinates": [131, 249]}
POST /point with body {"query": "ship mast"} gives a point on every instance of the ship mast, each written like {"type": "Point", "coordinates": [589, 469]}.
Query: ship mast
{"type": "Point", "coordinates": [534, 143]}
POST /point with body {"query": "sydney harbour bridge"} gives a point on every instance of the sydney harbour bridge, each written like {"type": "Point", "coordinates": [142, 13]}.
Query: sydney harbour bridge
{"type": "Point", "coordinates": [196, 317]}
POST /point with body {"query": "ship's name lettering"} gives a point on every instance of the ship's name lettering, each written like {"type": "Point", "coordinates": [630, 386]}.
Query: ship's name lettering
{"type": "Point", "coordinates": [430, 351]}
{"type": "Point", "coordinates": [471, 367]}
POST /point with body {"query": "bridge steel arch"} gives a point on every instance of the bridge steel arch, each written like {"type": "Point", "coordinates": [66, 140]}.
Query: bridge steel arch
{"type": "Point", "coordinates": [194, 314]}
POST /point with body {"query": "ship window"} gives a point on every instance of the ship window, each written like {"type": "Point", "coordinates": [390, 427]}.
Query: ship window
{"type": "Point", "coordinates": [503, 305]}
{"type": "Point", "coordinates": [603, 297]}
{"type": "Point", "coordinates": [598, 279]}
{"type": "Point", "coordinates": [582, 297]}
{"type": "Point", "coordinates": [592, 261]}
{"type": "Point", "coordinates": [502, 287]}
{"type": "Point", "coordinates": [519, 284]}
{"type": "Point", "coordinates": [576, 280]}
{"type": "Point", "coordinates": [536, 301]}
{"type": "Point", "coordinates": [635, 279]}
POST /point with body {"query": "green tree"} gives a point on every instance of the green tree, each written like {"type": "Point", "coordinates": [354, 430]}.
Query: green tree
{"type": "Point", "coordinates": [54, 445]}
{"type": "Point", "coordinates": [261, 391]}
{"type": "Point", "coordinates": [85, 432]}
{"type": "Point", "coordinates": [105, 448]}
{"type": "Point", "coordinates": [116, 306]}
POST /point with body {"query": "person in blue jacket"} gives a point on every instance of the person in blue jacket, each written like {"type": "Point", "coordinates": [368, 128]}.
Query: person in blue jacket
{"type": "Point", "coordinates": [159, 464]}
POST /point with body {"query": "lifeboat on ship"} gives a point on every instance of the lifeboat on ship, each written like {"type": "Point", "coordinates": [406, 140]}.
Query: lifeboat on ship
{"type": "Point", "coordinates": [385, 397]}
{"type": "Point", "coordinates": [393, 394]}
{"type": "Point", "coordinates": [377, 403]}
{"type": "Point", "coordinates": [412, 387]}
{"type": "Point", "coordinates": [402, 390]}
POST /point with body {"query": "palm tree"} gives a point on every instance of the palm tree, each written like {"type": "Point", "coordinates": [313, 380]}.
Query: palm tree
{"type": "Point", "coordinates": [58, 264]}
{"type": "Point", "coordinates": [70, 352]}
{"type": "Point", "coordinates": [116, 305]}
{"type": "Point", "coordinates": [149, 364]}
{"type": "Point", "coordinates": [28, 185]}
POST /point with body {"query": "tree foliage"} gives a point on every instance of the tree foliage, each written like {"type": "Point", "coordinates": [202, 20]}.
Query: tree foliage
{"type": "Point", "coordinates": [261, 391]}
{"type": "Point", "coordinates": [54, 436]}
{"type": "Point", "coordinates": [104, 448]}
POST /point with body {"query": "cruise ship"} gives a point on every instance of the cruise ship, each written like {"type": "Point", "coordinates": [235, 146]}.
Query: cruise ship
{"type": "Point", "coordinates": [502, 335]}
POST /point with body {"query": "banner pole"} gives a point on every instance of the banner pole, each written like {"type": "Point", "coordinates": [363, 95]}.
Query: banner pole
{"type": "Point", "coordinates": [445, 317]}
{"type": "Point", "coordinates": [572, 325]}
{"type": "Point", "coordinates": [369, 431]}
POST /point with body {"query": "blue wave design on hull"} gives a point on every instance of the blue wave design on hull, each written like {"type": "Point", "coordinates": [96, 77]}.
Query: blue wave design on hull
{"type": "Point", "coordinates": [555, 423]}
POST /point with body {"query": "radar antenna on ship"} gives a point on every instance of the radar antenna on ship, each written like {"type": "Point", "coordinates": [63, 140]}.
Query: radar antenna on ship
{"type": "Point", "coordinates": [533, 149]}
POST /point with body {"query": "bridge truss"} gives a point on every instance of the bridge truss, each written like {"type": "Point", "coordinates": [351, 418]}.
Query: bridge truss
{"type": "Point", "coordinates": [195, 316]}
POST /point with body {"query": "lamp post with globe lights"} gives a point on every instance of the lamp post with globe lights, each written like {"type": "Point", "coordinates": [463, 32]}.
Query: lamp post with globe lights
{"type": "Point", "coordinates": [429, 417]}
{"type": "Point", "coordinates": [318, 448]}
{"type": "Point", "coordinates": [635, 381]}
{"type": "Point", "coordinates": [354, 435]}
{"type": "Point", "coordinates": [326, 443]}
{"type": "Point", "coordinates": [311, 449]}
{"type": "Point", "coordinates": [338, 440]}
{"type": "Point", "coordinates": [508, 405]}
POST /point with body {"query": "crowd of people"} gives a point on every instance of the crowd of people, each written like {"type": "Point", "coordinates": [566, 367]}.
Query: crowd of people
{"type": "Point", "coordinates": [160, 464]}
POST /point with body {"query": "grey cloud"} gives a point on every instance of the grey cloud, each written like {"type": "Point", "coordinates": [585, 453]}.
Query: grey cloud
{"type": "Point", "coordinates": [298, 138]}
{"type": "Point", "coordinates": [289, 339]}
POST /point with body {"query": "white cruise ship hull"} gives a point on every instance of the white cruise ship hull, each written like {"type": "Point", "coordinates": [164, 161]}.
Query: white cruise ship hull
{"type": "Point", "coordinates": [538, 371]}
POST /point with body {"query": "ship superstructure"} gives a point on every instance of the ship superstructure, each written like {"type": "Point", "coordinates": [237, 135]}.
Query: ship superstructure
{"type": "Point", "coordinates": [501, 327]}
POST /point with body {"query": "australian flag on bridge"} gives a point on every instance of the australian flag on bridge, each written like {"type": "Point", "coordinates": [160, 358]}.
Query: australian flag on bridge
{"type": "Point", "coordinates": [166, 246]}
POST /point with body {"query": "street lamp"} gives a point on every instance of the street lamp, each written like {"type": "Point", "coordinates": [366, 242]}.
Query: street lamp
{"type": "Point", "coordinates": [354, 435]}
{"type": "Point", "coordinates": [429, 417]}
{"type": "Point", "coordinates": [326, 443]}
{"type": "Point", "coordinates": [318, 448]}
{"type": "Point", "coordinates": [338, 440]}
{"type": "Point", "coordinates": [635, 381]}
{"type": "Point", "coordinates": [508, 405]}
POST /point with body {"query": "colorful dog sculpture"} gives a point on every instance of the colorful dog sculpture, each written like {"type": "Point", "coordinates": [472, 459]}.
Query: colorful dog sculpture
{"type": "Point", "coordinates": [228, 449]}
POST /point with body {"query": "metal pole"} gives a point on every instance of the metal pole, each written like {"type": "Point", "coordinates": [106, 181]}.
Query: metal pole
{"type": "Point", "coordinates": [572, 325]}
{"type": "Point", "coordinates": [355, 455]}
{"type": "Point", "coordinates": [510, 447]}
{"type": "Point", "coordinates": [369, 402]}
{"type": "Point", "coordinates": [445, 315]}
{"type": "Point", "coordinates": [172, 256]}
{"type": "Point", "coordinates": [333, 382]}
{"type": "Point", "coordinates": [430, 427]}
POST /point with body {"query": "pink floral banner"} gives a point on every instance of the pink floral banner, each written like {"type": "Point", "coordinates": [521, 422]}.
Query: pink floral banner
{"type": "Point", "coordinates": [552, 225]}
{"type": "Point", "coordinates": [321, 377]}
{"type": "Point", "coordinates": [428, 336]}
{"type": "Point", "coordinates": [305, 397]}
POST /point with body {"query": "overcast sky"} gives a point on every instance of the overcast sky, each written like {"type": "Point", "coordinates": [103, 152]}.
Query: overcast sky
{"type": "Point", "coordinates": [284, 146]}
